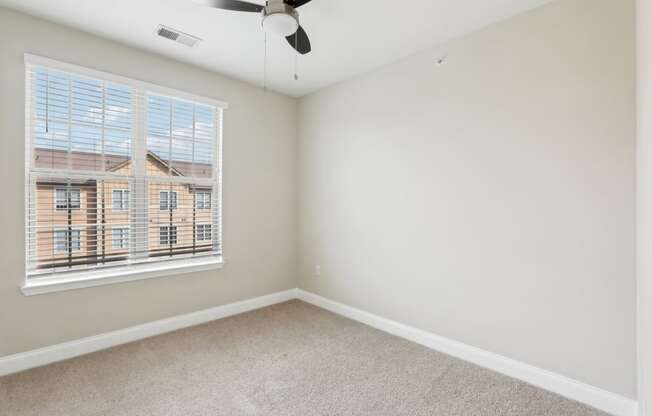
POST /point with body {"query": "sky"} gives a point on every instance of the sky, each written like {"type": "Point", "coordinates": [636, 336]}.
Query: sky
{"type": "Point", "coordinates": [177, 130]}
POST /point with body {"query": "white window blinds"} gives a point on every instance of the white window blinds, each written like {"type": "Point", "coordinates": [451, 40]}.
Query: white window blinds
{"type": "Point", "coordinates": [119, 173]}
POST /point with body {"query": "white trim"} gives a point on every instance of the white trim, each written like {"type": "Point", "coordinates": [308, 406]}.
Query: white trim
{"type": "Point", "coordinates": [35, 358]}
{"type": "Point", "coordinates": [556, 383]}
{"type": "Point", "coordinates": [99, 277]}
{"type": "Point", "coordinates": [106, 76]}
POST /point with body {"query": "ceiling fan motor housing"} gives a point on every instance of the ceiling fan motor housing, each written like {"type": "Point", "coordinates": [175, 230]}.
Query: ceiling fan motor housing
{"type": "Point", "coordinates": [280, 18]}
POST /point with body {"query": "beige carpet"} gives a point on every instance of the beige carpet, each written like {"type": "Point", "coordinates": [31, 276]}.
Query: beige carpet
{"type": "Point", "coordinates": [288, 359]}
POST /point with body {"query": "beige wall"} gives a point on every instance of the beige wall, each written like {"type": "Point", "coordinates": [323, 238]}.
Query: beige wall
{"type": "Point", "coordinates": [644, 246]}
{"type": "Point", "coordinates": [259, 171]}
{"type": "Point", "coordinates": [490, 199]}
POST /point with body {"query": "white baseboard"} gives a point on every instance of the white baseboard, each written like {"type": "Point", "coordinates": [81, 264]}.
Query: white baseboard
{"type": "Point", "coordinates": [35, 358]}
{"type": "Point", "coordinates": [600, 399]}
{"type": "Point", "coordinates": [581, 392]}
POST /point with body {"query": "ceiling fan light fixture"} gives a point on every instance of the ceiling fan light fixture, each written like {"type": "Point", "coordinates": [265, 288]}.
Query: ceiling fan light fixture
{"type": "Point", "coordinates": [279, 17]}
{"type": "Point", "coordinates": [280, 24]}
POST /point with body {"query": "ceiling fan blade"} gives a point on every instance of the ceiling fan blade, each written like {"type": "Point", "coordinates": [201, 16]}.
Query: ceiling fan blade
{"type": "Point", "coordinates": [300, 41]}
{"type": "Point", "coordinates": [296, 3]}
{"type": "Point", "coordinates": [235, 5]}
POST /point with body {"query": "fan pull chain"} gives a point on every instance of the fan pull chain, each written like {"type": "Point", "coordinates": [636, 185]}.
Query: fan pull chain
{"type": "Point", "coordinates": [265, 66]}
{"type": "Point", "coordinates": [296, 55]}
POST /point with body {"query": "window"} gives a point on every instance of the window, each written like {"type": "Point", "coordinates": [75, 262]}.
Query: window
{"type": "Point", "coordinates": [66, 199]}
{"type": "Point", "coordinates": [66, 241]}
{"type": "Point", "coordinates": [120, 199]}
{"type": "Point", "coordinates": [167, 200]}
{"type": "Point", "coordinates": [120, 238]}
{"type": "Point", "coordinates": [168, 236]}
{"type": "Point", "coordinates": [203, 200]}
{"type": "Point", "coordinates": [203, 232]}
{"type": "Point", "coordinates": [113, 170]}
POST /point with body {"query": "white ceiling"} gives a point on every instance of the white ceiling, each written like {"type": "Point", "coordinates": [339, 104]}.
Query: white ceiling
{"type": "Point", "coordinates": [348, 37]}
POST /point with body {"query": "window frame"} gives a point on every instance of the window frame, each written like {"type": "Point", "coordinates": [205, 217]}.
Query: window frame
{"type": "Point", "coordinates": [123, 207]}
{"type": "Point", "coordinates": [205, 195]}
{"type": "Point", "coordinates": [124, 239]}
{"type": "Point", "coordinates": [205, 228]}
{"type": "Point", "coordinates": [169, 206]}
{"type": "Point", "coordinates": [67, 207]}
{"type": "Point", "coordinates": [37, 284]}
{"type": "Point", "coordinates": [169, 231]}
{"type": "Point", "coordinates": [66, 230]}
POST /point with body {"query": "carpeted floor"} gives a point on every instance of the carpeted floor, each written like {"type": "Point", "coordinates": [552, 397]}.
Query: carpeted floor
{"type": "Point", "coordinates": [288, 359]}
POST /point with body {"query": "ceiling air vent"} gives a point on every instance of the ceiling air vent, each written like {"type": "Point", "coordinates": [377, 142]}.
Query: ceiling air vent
{"type": "Point", "coordinates": [177, 36]}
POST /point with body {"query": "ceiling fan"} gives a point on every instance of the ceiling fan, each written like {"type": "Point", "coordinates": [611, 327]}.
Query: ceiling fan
{"type": "Point", "coordinates": [279, 17]}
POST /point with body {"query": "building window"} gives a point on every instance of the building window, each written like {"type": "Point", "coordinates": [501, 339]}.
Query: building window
{"type": "Point", "coordinates": [203, 200]}
{"type": "Point", "coordinates": [120, 238]}
{"type": "Point", "coordinates": [203, 232]}
{"type": "Point", "coordinates": [66, 241]}
{"type": "Point", "coordinates": [120, 199]}
{"type": "Point", "coordinates": [111, 158]}
{"type": "Point", "coordinates": [167, 200]}
{"type": "Point", "coordinates": [67, 198]}
{"type": "Point", "coordinates": [168, 235]}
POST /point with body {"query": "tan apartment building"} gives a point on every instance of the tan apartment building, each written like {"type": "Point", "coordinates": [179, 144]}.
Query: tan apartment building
{"type": "Point", "coordinates": [89, 221]}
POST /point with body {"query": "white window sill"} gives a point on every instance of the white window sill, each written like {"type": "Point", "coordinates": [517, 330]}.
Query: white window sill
{"type": "Point", "coordinates": [78, 280]}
